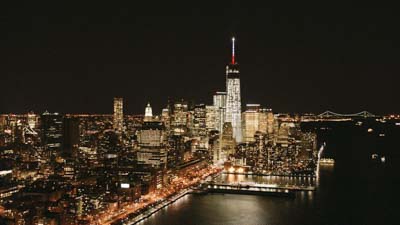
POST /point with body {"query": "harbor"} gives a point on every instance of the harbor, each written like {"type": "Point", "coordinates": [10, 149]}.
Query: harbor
{"type": "Point", "coordinates": [223, 183]}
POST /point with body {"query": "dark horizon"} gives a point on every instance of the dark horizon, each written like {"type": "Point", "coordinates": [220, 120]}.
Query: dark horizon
{"type": "Point", "coordinates": [306, 58]}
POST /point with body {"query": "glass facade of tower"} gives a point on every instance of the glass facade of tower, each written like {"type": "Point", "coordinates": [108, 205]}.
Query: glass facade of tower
{"type": "Point", "coordinates": [233, 101]}
{"type": "Point", "coordinates": [251, 122]}
{"type": "Point", "coordinates": [220, 109]}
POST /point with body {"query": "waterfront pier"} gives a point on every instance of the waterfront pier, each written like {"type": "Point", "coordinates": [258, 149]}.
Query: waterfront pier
{"type": "Point", "coordinates": [255, 189]}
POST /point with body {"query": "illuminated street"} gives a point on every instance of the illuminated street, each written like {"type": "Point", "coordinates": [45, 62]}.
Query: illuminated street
{"type": "Point", "coordinates": [180, 184]}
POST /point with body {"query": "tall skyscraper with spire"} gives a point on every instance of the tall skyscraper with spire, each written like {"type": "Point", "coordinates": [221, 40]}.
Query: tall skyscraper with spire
{"type": "Point", "coordinates": [233, 101]}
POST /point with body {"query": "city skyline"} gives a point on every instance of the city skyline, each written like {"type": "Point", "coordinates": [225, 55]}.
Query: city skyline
{"type": "Point", "coordinates": [75, 61]}
{"type": "Point", "coordinates": [227, 112]}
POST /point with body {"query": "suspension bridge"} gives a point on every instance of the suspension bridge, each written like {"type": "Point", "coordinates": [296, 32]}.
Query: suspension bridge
{"type": "Point", "coordinates": [330, 114]}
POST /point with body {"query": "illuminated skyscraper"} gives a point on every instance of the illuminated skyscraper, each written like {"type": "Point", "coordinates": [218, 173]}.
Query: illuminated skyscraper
{"type": "Point", "coordinates": [263, 120]}
{"type": "Point", "coordinates": [251, 122]}
{"type": "Point", "coordinates": [148, 114]}
{"type": "Point", "coordinates": [151, 139]}
{"type": "Point", "coordinates": [211, 118]}
{"type": "Point", "coordinates": [166, 118]}
{"type": "Point", "coordinates": [220, 109]}
{"type": "Point", "coordinates": [32, 120]}
{"type": "Point", "coordinates": [180, 116]}
{"type": "Point", "coordinates": [199, 120]}
{"type": "Point", "coordinates": [233, 102]}
{"type": "Point", "coordinates": [118, 114]}
{"type": "Point", "coordinates": [52, 133]}
{"type": "Point", "coordinates": [270, 121]}
{"type": "Point", "coordinates": [256, 119]}
{"type": "Point", "coordinates": [227, 143]}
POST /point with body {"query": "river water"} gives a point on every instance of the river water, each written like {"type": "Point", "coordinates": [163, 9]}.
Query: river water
{"type": "Point", "coordinates": [356, 190]}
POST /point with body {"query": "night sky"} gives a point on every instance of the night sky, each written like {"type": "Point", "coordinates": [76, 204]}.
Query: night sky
{"type": "Point", "coordinates": [74, 58]}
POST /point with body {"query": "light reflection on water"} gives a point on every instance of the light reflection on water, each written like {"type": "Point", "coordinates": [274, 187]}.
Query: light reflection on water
{"type": "Point", "coordinates": [248, 209]}
{"type": "Point", "coordinates": [279, 180]}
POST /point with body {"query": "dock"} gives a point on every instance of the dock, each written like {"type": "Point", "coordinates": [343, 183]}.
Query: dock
{"type": "Point", "coordinates": [254, 189]}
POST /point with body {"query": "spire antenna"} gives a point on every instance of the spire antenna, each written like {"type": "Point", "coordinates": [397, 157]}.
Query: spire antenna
{"type": "Point", "coordinates": [233, 50]}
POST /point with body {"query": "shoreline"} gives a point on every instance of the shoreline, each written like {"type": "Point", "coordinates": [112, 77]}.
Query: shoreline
{"type": "Point", "coordinates": [152, 210]}
{"type": "Point", "coordinates": [149, 212]}
{"type": "Point", "coordinates": [166, 202]}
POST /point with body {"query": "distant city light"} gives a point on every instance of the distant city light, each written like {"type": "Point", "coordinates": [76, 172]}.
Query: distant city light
{"type": "Point", "coordinates": [125, 185]}
{"type": "Point", "coordinates": [5, 172]}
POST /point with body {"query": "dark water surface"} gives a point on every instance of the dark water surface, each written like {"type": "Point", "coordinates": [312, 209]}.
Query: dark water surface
{"type": "Point", "coordinates": [355, 190]}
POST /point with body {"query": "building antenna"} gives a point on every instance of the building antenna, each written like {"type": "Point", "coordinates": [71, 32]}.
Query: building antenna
{"type": "Point", "coordinates": [233, 50]}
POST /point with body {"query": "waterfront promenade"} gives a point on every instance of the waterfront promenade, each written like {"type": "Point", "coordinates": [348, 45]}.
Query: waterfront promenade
{"type": "Point", "coordinates": [206, 187]}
